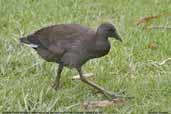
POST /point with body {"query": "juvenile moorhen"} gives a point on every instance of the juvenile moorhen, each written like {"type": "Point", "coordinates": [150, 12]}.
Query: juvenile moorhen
{"type": "Point", "coordinates": [72, 45]}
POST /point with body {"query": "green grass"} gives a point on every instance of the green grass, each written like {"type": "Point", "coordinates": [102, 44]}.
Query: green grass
{"type": "Point", "coordinates": [25, 78]}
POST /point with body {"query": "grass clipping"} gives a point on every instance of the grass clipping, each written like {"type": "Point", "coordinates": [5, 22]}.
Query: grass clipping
{"type": "Point", "coordinates": [86, 75]}
{"type": "Point", "coordinates": [104, 103]}
{"type": "Point", "coordinates": [150, 18]}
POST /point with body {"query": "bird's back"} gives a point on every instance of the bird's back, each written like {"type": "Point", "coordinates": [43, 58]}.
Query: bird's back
{"type": "Point", "coordinates": [61, 33]}
{"type": "Point", "coordinates": [53, 42]}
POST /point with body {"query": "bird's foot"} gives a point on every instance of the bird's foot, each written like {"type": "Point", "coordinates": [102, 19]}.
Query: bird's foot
{"type": "Point", "coordinates": [111, 95]}
{"type": "Point", "coordinates": [55, 85]}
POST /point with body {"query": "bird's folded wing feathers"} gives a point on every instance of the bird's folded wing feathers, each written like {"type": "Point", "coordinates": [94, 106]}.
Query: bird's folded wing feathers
{"type": "Point", "coordinates": [58, 38]}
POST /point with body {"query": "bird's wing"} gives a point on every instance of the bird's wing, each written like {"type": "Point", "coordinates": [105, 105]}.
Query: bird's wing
{"type": "Point", "coordinates": [59, 38]}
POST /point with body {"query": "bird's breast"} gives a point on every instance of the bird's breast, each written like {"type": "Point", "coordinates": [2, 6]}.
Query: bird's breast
{"type": "Point", "coordinates": [102, 48]}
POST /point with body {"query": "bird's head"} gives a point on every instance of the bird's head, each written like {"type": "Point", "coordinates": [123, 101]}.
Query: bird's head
{"type": "Point", "coordinates": [108, 30]}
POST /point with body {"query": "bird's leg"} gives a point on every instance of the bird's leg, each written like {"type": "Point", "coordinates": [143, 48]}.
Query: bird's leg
{"type": "Point", "coordinates": [57, 80]}
{"type": "Point", "coordinates": [108, 94]}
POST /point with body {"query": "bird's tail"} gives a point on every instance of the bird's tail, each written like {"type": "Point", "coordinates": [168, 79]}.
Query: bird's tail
{"type": "Point", "coordinates": [26, 41]}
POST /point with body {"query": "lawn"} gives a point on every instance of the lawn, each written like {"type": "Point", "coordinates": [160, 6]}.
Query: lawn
{"type": "Point", "coordinates": [25, 78]}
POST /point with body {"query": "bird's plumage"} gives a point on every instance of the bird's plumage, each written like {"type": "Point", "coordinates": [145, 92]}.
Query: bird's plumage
{"type": "Point", "coordinates": [70, 44]}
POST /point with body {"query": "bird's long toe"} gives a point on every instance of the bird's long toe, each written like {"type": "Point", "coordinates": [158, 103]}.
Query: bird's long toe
{"type": "Point", "coordinates": [55, 85]}
{"type": "Point", "coordinates": [113, 95]}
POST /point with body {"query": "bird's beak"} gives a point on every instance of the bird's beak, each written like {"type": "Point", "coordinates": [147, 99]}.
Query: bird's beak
{"type": "Point", "coordinates": [117, 36]}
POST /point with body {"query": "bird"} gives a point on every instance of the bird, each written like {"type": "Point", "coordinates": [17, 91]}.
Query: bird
{"type": "Point", "coordinates": [73, 45]}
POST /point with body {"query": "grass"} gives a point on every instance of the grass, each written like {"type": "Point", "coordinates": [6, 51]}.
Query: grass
{"type": "Point", "coordinates": [25, 78]}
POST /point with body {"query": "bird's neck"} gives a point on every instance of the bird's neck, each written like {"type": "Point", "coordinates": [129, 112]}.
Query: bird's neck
{"type": "Point", "coordinates": [101, 35]}
{"type": "Point", "coordinates": [102, 46]}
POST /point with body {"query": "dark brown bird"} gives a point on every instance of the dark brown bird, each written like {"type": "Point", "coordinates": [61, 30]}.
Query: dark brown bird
{"type": "Point", "coordinates": [72, 45]}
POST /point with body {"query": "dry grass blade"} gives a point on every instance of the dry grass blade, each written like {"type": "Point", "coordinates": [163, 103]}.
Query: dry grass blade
{"type": "Point", "coordinates": [157, 27]}
{"type": "Point", "coordinates": [77, 77]}
{"type": "Point", "coordinates": [158, 64]}
{"type": "Point", "coordinates": [164, 61]}
{"type": "Point", "coordinates": [105, 103]}
{"type": "Point", "coordinates": [146, 19]}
